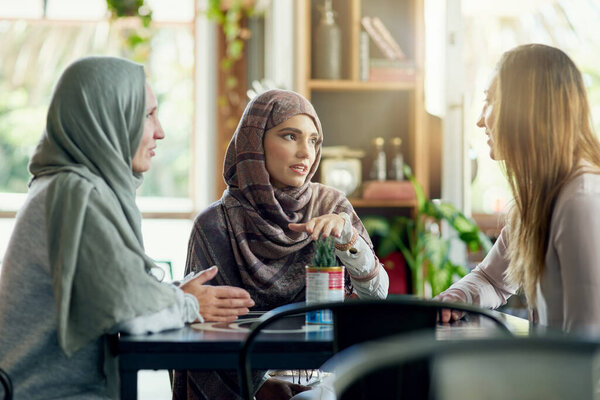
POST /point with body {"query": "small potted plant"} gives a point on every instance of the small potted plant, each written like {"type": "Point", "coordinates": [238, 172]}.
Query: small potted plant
{"type": "Point", "coordinates": [324, 280]}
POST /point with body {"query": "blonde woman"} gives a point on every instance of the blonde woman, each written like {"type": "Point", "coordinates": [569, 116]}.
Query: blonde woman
{"type": "Point", "coordinates": [537, 119]}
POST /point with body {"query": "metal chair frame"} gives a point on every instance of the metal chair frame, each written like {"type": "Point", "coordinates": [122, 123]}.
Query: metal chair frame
{"type": "Point", "coordinates": [362, 359]}
{"type": "Point", "coordinates": [299, 308]}
{"type": "Point", "coordinates": [7, 384]}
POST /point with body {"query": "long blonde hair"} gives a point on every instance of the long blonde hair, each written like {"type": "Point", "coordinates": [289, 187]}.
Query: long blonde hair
{"type": "Point", "coordinates": [542, 131]}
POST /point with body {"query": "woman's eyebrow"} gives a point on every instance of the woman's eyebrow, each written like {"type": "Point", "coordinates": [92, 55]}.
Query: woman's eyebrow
{"type": "Point", "coordinates": [289, 128]}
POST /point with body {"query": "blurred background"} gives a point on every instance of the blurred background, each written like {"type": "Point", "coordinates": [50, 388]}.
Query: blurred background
{"type": "Point", "coordinates": [206, 58]}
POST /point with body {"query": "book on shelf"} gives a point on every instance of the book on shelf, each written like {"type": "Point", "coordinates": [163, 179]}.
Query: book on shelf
{"type": "Point", "coordinates": [387, 36]}
{"type": "Point", "coordinates": [364, 61]}
{"type": "Point", "coordinates": [384, 70]}
{"type": "Point", "coordinates": [387, 74]}
{"type": "Point", "coordinates": [384, 62]}
{"type": "Point", "coordinates": [382, 38]}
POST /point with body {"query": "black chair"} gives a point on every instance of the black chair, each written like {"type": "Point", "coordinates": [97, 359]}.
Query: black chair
{"type": "Point", "coordinates": [6, 384]}
{"type": "Point", "coordinates": [357, 321]}
{"type": "Point", "coordinates": [528, 368]}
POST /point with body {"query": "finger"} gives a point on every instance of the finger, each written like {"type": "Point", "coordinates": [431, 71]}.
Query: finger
{"type": "Point", "coordinates": [299, 388]}
{"type": "Point", "coordinates": [206, 275]}
{"type": "Point", "coordinates": [228, 312]}
{"type": "Point", "coordinates": [446, 315]}
{"type": "Point", "coordinates": [337, 229]}
{"type": "Point", "coordinates": [218, 318]}
{"type": "Point", "coordinates": [318, 229]}
{"type": "Point", "coordinates": [225, 292]}
{"type": "Point", "coordinates": [297, 227]}
{"type": "Point", "coordinates": [310, 225]}
{"type": "Point", "coordinates": [456, 315]}
{"type": "Point", "coordinates": [233, 303]}
{"type": "Point", "coordinates": [328, 228]}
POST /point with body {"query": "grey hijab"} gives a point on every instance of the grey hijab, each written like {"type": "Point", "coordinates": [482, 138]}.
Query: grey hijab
{"type": "Point", "coordinates": [97, 260]}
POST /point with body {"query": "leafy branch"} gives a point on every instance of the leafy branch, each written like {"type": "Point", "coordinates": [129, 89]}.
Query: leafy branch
{"type": "Point", "coordinates": [418, 239]}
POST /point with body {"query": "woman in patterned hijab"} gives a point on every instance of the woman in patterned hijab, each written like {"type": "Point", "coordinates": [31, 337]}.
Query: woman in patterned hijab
{"type": "Point", "coordinates": [260, 232]}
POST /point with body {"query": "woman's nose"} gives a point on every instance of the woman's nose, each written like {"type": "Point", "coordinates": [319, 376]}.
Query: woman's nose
{"type": "Point", "coordinates": [303, 150]}
{"type": "Point", "coordinates": [481, 120]}
{"type": "Point", "coordinates": [158, 132]}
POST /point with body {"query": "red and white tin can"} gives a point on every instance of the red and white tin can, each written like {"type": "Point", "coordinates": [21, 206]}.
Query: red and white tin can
{"type": "Point", "coordinates": [323, 284]}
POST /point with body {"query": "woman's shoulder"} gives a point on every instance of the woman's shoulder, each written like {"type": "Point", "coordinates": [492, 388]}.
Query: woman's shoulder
{"type": "Point", "coordinates": [581, 194]}
{"type": "Point", "coordinates": [328, 193]}
{"type": "Point", "coordinates": [210, 214]}
{"type": "Point", "coordinates": [584, 184]}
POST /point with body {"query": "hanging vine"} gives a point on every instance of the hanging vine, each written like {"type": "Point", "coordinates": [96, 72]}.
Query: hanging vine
{"type": "Point", "coordinates": [230, 16]}
{"type": "Point", "coordinates": [136, 39]}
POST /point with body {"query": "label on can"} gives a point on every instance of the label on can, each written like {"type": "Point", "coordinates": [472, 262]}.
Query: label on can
{"type": "Point", "coordinates": [323, 284]}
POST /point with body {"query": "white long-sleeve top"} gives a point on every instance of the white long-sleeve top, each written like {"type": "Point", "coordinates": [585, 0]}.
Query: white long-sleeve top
{"type": "Point", "coordinates": [568, 295]}
{"type": "Point", "coordinates": [361, 263]}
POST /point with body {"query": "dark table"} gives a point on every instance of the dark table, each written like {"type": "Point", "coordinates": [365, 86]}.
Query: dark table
{"type": "Point", "coordinates": [288, 344]}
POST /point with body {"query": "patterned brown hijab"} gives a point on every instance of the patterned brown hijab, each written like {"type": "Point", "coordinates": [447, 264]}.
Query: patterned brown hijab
{"type": "Point", "coordinates": [253, 215]}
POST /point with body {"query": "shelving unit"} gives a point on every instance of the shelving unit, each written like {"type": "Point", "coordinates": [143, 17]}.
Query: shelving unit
{"type": "Point", "coordinates": [362, 203]}
{"type": "Point", "coordinates": [352, 111]}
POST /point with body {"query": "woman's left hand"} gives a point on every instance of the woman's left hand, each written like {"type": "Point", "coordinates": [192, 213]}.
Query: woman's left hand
{"type": "Point", "coordinates": [323, 226]}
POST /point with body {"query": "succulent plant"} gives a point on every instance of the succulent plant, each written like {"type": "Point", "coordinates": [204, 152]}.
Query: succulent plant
{"type": "Point", "coordinates": [324, 253]}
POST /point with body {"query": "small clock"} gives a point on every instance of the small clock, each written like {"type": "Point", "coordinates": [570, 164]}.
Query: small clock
{"type": "Point", "coordinates": [341, 168]}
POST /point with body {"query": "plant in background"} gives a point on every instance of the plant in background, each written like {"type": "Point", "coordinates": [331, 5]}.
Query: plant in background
{"type": "Point", "coordinates": [324, 253]}
{"type": "Point", "coordinates": [137, 38]}
{"type": "Point", "coordinates": [230, 16]}
{"type": "Point", "coordinates": [418, 239]}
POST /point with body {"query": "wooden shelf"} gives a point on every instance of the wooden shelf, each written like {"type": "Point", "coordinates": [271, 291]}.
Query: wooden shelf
{"type": "Point", "coordinates": [350, 85]}
{"type": "Point", "coordinates": [353, 112]}
{"type": "Point", "coordinates": [362, 203]}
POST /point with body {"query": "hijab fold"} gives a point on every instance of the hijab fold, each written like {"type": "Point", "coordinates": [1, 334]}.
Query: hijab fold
{"type": "Point", "coordinates": [97, 261]}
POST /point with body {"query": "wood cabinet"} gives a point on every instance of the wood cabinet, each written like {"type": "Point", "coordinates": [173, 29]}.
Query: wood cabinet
{"type": "Point", "coordinates": [353, 111]}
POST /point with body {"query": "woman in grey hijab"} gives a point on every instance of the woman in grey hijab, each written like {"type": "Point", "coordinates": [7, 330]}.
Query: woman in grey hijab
{"type": "Point", "coordinates": [75, 266]}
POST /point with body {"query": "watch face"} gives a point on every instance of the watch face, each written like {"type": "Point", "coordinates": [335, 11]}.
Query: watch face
{"type": "Point", "coordinates": [342, 174]}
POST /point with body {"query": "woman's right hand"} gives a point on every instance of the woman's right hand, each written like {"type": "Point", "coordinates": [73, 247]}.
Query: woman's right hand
{"type": "Point", "coordinates": [451, 296]}
{"type": "Point", "coordinates": [218, 303]}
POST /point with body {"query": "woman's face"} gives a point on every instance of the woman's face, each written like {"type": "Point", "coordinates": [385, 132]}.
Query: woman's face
{"type": "Point", "coordinates": [290, 150]}
{"type": "Point", "coordinates": [152, 132]}
{"type": "Point", "coordinates": [487, 117]}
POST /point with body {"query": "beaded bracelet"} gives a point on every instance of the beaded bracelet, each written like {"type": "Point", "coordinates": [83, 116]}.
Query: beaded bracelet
{"type": "Point", "coordinates": [350, 244]}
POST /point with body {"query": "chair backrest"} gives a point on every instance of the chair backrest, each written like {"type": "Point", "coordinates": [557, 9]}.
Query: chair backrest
{"type": "Point", "coordinates": [356, 321]}
{"type": "Point", "coordinates": [6, 384]}
{"type": "Point", "coordinates": [528, 368]}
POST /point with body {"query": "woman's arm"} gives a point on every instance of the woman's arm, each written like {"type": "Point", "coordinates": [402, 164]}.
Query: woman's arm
{"type": "Point", "coordinates": [485, 285]}
{"type": "Point", "coordinates": [368, 276]}
{"type": "Point", "coordinates": [175, 316]}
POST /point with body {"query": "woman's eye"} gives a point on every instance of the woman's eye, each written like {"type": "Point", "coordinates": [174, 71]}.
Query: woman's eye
{"type": "Point", "coordinates": [149, 115]}
{"type": "Point", "coordinates": [289, 136]}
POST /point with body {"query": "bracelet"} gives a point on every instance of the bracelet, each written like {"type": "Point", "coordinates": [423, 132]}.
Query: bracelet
{"type": "Point", "coordinates": [368, 277]}
{"type": "Point", "coordinates": [348, 246]}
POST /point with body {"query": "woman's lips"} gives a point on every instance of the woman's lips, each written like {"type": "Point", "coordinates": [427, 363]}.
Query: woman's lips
{"type": "Point", "coordinates": [299, 169]}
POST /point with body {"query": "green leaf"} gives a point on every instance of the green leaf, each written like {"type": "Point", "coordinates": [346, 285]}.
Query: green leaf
{"type": "Point", "coordinates": [420, 194]}
{"type": "Point", "coordinates": [234, 49]}
{"type": "Point", "coordinates": [376, 226]}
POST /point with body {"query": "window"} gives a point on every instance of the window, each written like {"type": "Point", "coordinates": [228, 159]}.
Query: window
{"type": "Point", "coordinates": [493, 27]}
{"type": "Point", "coordinates": [38, 43]}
